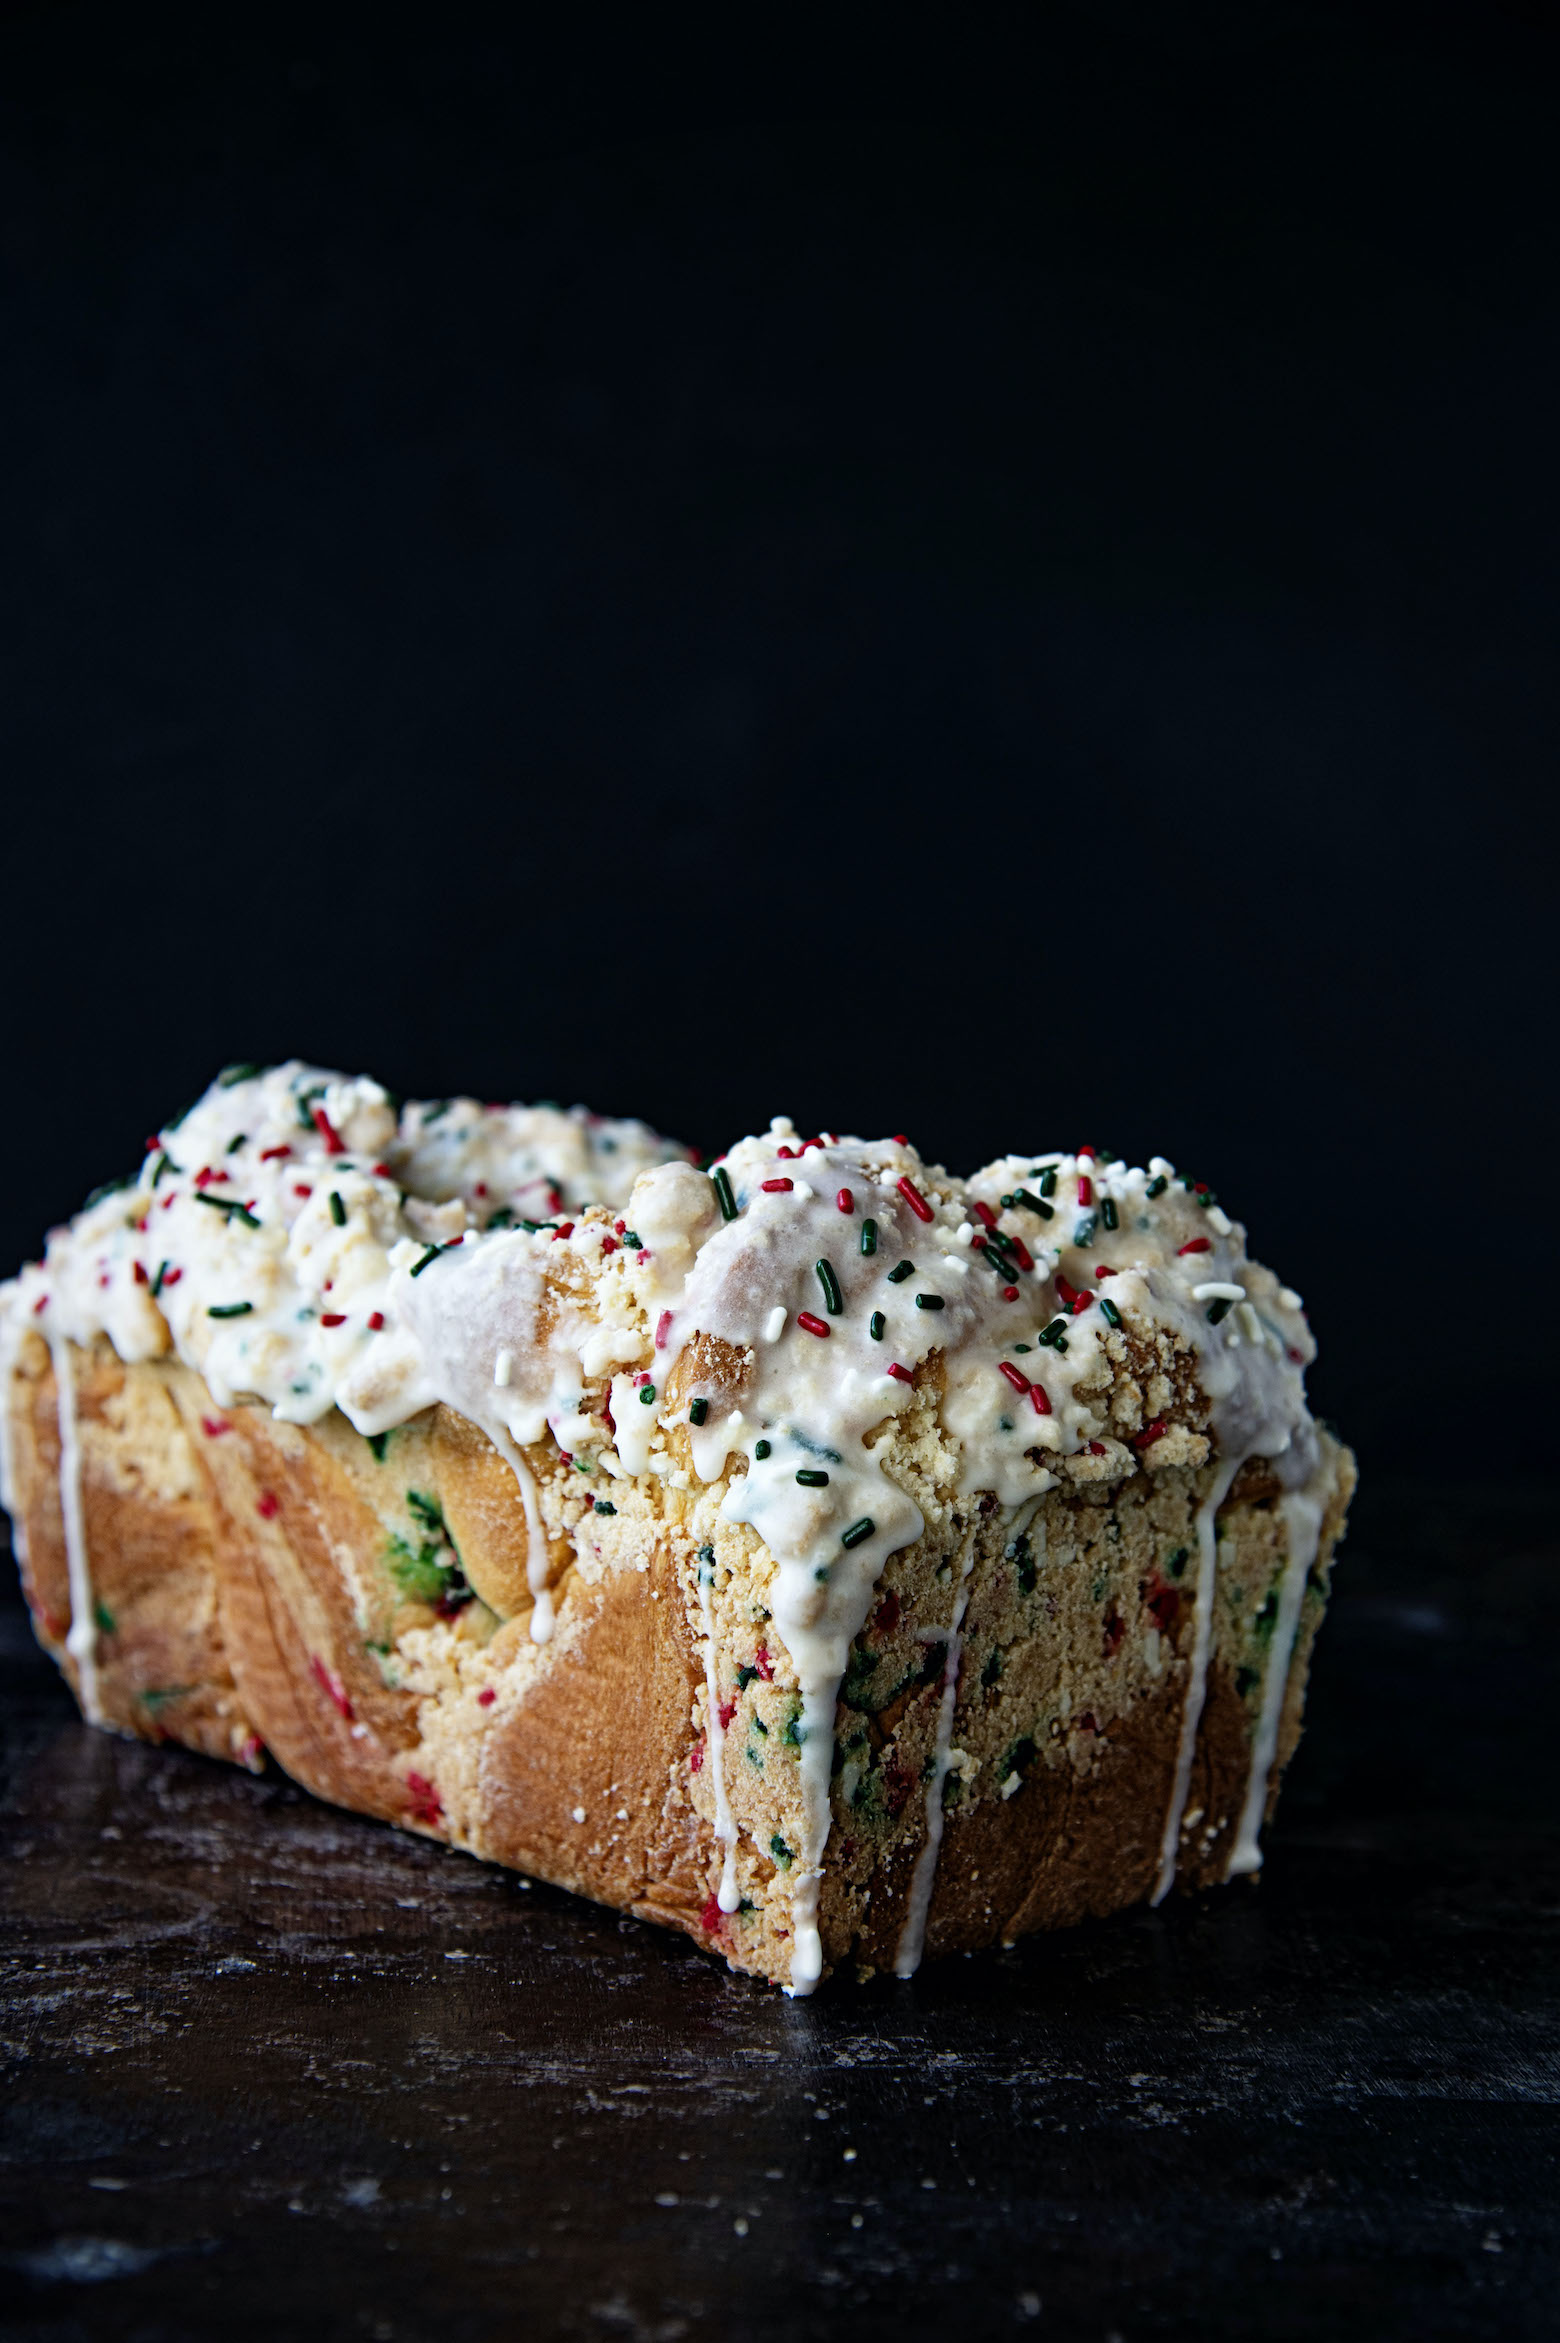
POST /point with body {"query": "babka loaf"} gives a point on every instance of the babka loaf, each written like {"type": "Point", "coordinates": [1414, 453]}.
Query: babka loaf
{"type": "Point", "coordinates": [818, 1553]}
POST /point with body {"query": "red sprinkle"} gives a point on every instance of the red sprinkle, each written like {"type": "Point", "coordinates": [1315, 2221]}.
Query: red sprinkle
{"type": "Point", "coordinates": [985, 1215]}
{"type": "Point", "coordinates": [1103, 1271]}
{"type": "Point", "coordinates": [268, 1505]}
{"type": "Point", "coordinates": [274, 1154]}
{"type": "Point", "coordinates": [764, 1664]}
{"type": "Point", "coordinates": [302, 1188]}
{"type": "Point", "coordinates": [564, 1229]}
{"type": "Point", "coordinates": [381, 1171]}
{"type": "Point", "coordinates": [726, 1710]}
{"type": "Point", "coordinates": [214, 1427]}
{"type": "Point", "coordinates": [901, 1374]}
{"type": "Point", "coordinates": [1096, 1447]}
{"type": "Point", "coordinates": [172, 1278]}
{"type": "Point", "coordinates": [42, 1303]}
{"type": "Point", "coordinates": [1081, 1303]}
{"type": "Point", "coordinates": [206, 1177]}
{"type": "Point", "coordinates": [1015, 1375]}
{"type": "Point", "coordinates": [663, 1327]}
{"type": "Point", "coordinates": [845, 1200]}
{"type": "Point", "coordinates": [566, 1455]}
{"type": "Point", "coordinates": [331, 1685]}
{"type": "Point", "coordinates": [486, 1697]}
{"type": "Point", "coordinates": [334, 1142]}
{"type": "Point", "coordinates": [1038, 1400]}
{"type": "Point", "coordinates": [776, 1187]}
{"type": "Point", "coordinates": [1085, 1189]}
{"type": "Point", "coordinates": [333, 1318]}
{"type": "Point", "coordinates": [812, 1324]}
{"type": "Point", "coordinates": [1021, 1253]}
{"type": "Point", "coordinates": [141, 1277]}
{"type": "Point", "coordinates": [788, 1154]}
{"type": "Point", "coordinates": [1090, 1152]}
{"type": "Point", "coordinates": [1197, 1245]}
{"type": "Point", "coordinates": [1067, 1293]}
{"type": "Point", "coordinates": [914, 1198]}
{"type": "Point", "coordinates": [1152, 1432]}
{"type": "Point", "coordinates": [1010, 1293]}
{"type": "Point", "coordinates": [899, 1139]}
{"type": "Point", "coordinates": [978, 1243]}
{"type": "Point", "coordinates": [376, 1322]}
{"type": "Point", "coordinates": [251, 1751]}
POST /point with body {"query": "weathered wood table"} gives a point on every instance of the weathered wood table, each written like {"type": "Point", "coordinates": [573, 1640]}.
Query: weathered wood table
{"type": "Point", "coordinates": [271, 2070]}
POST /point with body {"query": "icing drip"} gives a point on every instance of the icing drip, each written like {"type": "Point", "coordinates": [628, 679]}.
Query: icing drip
{"type": "Point", "coordinates": [81, 1642]}
{"type": "Point", "coordinates": [1197, 1680]}
{"type": "Point", "coordinates": [725, 1828]}
{"type": "Point", "coordinates": [1303, 1511]}
{"type": "Point", "coordinates": [918, 1904]}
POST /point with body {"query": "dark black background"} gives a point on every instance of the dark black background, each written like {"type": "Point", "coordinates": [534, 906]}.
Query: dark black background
{"type": "Point", "coordinates": [990, 575]}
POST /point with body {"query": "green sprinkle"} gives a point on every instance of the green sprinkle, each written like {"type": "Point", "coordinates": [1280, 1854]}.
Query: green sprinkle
{"type": "Point", "coordinates": [631, 1239]}
{"type": "Point", "coordinates": [1055, 1334]}
{"type": "Point", "coordinates": [427, 1510]}
{"type": "Point", "coordinates": [165, 1163]}
{"type": "Point", "coordinates": [647, 1399]}
{"type": "Point", "coordinates": [1048, 1182]}
{"type": "Point", "coordinates": [929, 1302]}
{"type": "Point", "coordinates": [876, 1324]}
{"type": "Point", "coordinates": [869, 1236]}
{"type": "Point", "coordinates": [157, 1282]}
{"type": "Point", "coordinates": [1108, 1211]}
{"type": "Point", "coordinates": [231, 1206]}
{"type": "Point", "coordinates": [605, 1505]}
{"type": "Point", "coordinates": [379, 1442]}
{"type": "Point", "coordinates": [1157, 1187]}
{"type": "Point", "coordinates": [833, 1300]}
{"type": "Point", "coordinates": [432, 1254]}
{"type": "Point", "coordinates": [231, 1074]}
{"type": "Point", "coordinates": [1111, 1314]}
{"type": "Point", "coordinates": [898, 1276]}
{"type": "Point", "coordinates": [1033, 1204]}
{"type": "Point", "coordinates": [103, 1618]}
{"type": "Point", "coordinates": [761, 1449]}
{"type": "Point", "coordinates": [235, 1143]}
{"type": "Point", "coordinates": [1219, 1309]}
{"type": "Point", "coordinates": [230, 1309]}
{"type": "Point", "coordinates": [722, 1187]}
{"type": "Point", "coordinates": [1021, 1346]}
{"type": "Point", "coordinates": [808, 1478]}
{"type": "Point", "coordinates": [858, 1532]}
{"type": "Point", "coordinates": [338, 1210]}
{"type": "Point", "coordinates": [698, 1409]}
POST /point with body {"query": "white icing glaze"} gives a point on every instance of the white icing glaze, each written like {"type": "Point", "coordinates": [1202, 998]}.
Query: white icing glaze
{"type": "Point", "coordinates": [1303, 1510]}
{"type": "Point", "coordinates": [292, 1241]}
{"type": "Point", "coordinates": [81, 1642]}
{"type": "Point", "coordinates": [727, 1895]}
{"type": "Point", "coordinates": [918, 1904]}
{"type": "Point", "coordinates": [1197, 1680]}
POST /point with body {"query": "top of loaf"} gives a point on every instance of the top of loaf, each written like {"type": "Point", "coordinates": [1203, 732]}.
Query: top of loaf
{"type": "Point", "coordinates": [296, 1240]}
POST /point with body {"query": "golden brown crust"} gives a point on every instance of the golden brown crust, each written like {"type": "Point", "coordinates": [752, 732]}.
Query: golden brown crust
{"type": "Point", "coordinates": [241, 1568]}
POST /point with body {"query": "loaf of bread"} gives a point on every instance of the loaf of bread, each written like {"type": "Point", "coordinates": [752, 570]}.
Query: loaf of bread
{"type": "Point", "coordinates": [820, 1554]}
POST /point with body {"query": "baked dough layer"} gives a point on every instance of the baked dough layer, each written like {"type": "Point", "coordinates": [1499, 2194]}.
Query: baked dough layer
{"type": "Point", "coordinates": [245, 1576]}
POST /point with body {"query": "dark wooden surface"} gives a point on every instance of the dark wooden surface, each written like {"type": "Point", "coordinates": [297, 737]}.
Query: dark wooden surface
{"type": "Point", "coordinates": [270, 2070]}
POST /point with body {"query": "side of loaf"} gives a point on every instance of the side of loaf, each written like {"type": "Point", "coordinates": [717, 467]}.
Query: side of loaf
{"type": "Point", "coordinates": [604, 1556]}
